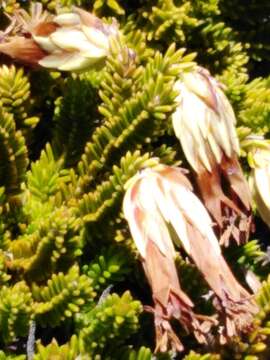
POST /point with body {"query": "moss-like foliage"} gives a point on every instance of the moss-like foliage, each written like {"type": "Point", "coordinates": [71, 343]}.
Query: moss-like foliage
{"type": "Point", "coordinates": [109, 323]}
{"type": "Point", "coordinates": [15, 96]}
{"type": "Point", "coordinates": [112, 266]}
{"type": "Point", "coordinates": [15, 311]}
{"type": "Point", "coordinates": [69, 142]}
{"type": "Point", "coordinates": [62, 297]}
{"type": "Point", "coordinates": [69, 351]}
{"type": "Point", "coordinates": [194, 356]}
{"type": "Point", "coordinates": [14, 160]}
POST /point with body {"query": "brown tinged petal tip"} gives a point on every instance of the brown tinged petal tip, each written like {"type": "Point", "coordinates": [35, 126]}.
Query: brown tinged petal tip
{"type": "Point", "coordinates": [23, 49]}
{"type": "Point", "coordinates": [170, 302]}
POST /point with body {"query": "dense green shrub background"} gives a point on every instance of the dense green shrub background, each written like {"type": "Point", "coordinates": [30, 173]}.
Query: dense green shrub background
{"type": "Point", "coordinates": [69, 142]}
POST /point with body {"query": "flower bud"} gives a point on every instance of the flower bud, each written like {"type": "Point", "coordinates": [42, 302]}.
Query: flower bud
{"type": "Point", "coordinates": [204, 122]}
{"type": "Point", "coordinates": [70, 42]}
{"type": "Point", "coordinates": [160, 199]}
{"type": "Point", "coordinates": [259, 180]}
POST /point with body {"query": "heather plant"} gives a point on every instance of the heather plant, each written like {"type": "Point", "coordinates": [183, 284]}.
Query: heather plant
{"type": "Point", "coordinates": [134, 158]}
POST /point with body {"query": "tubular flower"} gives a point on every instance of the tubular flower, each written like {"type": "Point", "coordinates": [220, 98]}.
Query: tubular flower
{"type": "Point", "coordinates": [161, 198]}
{"type": "Point", "coordinates": [72, 41]}
{"type": "Point", "coordinates": [204, 122]}
{"type": "Point", "coordinates": [259, 159]}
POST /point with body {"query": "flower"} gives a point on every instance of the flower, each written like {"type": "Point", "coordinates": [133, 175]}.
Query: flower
{"type": "Point", "coordinates": [70, 42]}
{"type": "Point", "coordinates": [204, 122]}
{"type": "Point", "coordinates": [159, 198]}
{"type": "Point", "coordinates": [259, 180]}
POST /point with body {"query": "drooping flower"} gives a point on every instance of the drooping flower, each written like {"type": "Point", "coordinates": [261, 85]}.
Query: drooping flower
{"type": "Point", "coordinates": [70, 42]}
{"type": "Point", "coordinates": [157, 199]}
{"type": "Point", "coordinates": [204, 122]}
{"type": "Point", "coordinates": [259, 159]}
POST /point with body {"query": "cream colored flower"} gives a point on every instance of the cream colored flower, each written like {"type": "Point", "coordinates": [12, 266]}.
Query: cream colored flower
{"type": "Point", "coordinates": [260, 179]}
{"type": "Point", "coordinates": [152, 238]}
{"type": "Point", "coordinates": [204, 122]}
{"type": "Point", "coordinates": [70, 42]}
{"type": "Point", "coordinates": [160, 198]}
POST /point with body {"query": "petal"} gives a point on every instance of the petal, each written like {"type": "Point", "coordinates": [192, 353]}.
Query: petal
{"type": "Point", "coordinates": [96, 37]}
{"type": "Point", "coordinates": [94, 53]}
{"type": "Point", "coordinates": [22, 49]}
{"type": "Point", "coordinates": [199, 85]}
{"type": "Point", "coordinates": [260, 204]}
{"type": "Point", "coordinates": [262, 180]}
{"type": "Point", "coordinates": [69, 19]}
{"type": "Point", "coordinates": [193, 211]}
{"type": "Point", "coordinates": [215, 148]}
{"type": "Point", "coordinates": [88, 19]}
{"type": "Point", "coordinates": [77, 62]}
{"type": "Point", "coordinates": [194, 122]}
{"type": "Point", "coordinates": [154, 224]}
{"type": "Point", "coordinates": [55, 61]}
{"type": "Point", "coordinates": [187, 130]}
{"type": "Point", "coordinates": [70, 39]}
{"type": "Point", "coordinates": [45, 43]}
{"type": "Point", "coordinates": [134, 219]}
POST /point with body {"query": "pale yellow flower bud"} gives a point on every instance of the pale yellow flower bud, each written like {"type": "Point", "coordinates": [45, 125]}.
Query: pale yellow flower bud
{"type": "Point", "coordinates": [259, 179]}
{"type": "Point", "coordinates": [157, 200]}
{"type": "Point", "coordinates": [72, 41]}
{"type": "Point", "coordinates": [204, 122]}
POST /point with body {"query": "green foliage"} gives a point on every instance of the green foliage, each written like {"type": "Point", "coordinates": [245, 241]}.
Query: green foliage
{"type": "Point", "coordinates": [13, 160]}
{"type": "Point", "coordinates": [142, 354]}
{"type": "Point", "coordinates": [15, 96]}
{"type": "Point", "coordinates": [113, 6]}
{"type": "Point", "coordinates": [45, 176]}
{"type": "Point", "coordinates": [68, 351]}
{"type": "Point", "coordinates": [75, 116]}
{"type": "Point", "coordinates": [9, 6]}
{"type": "Point", "coordinates": [15, 311]}
{"type": "Point", "coordinates": [94, 206]}
{"type": "Point", "coordinates": [110, 323]}
{"type": "Point", "coordinates": [53, 5]}
{"type": "Point", "coordinates": [4, 277]}
{"type": "Point", "coordinates": [131, 122]}
{"type": "Point", "coordinates": [166, 19]}
{"type": "Point", "coordinates": [255, 106]}
{"type": "Point", "coordinates": [194, 356]}
{"type": "Point", "coordinates": [4, 356]}
{"type": "Point", "coordinates": [100, 7]}
{"type": "Point", "coordinates": [62, 298]}
{"type": "Point", "coordinates": [52, 246]}
{"type": "Point", "coordinates": [112, 266]}
{"type": "Point", "coordinates": [190, 277]}
{"type": "Point", "coordinates": [251, 256]}
{"type": "Point", "coordinates": [68, 145]}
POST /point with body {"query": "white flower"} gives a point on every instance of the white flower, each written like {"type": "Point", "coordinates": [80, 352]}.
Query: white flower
{"type": "Point", "coordinates": [72, 41]}
{"type": "Point", "coordinates": [206, 116]}
{"type": "Point", "coordinates": [161, 198]}
{"type": "Point", "coordinates": [204, 122]}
